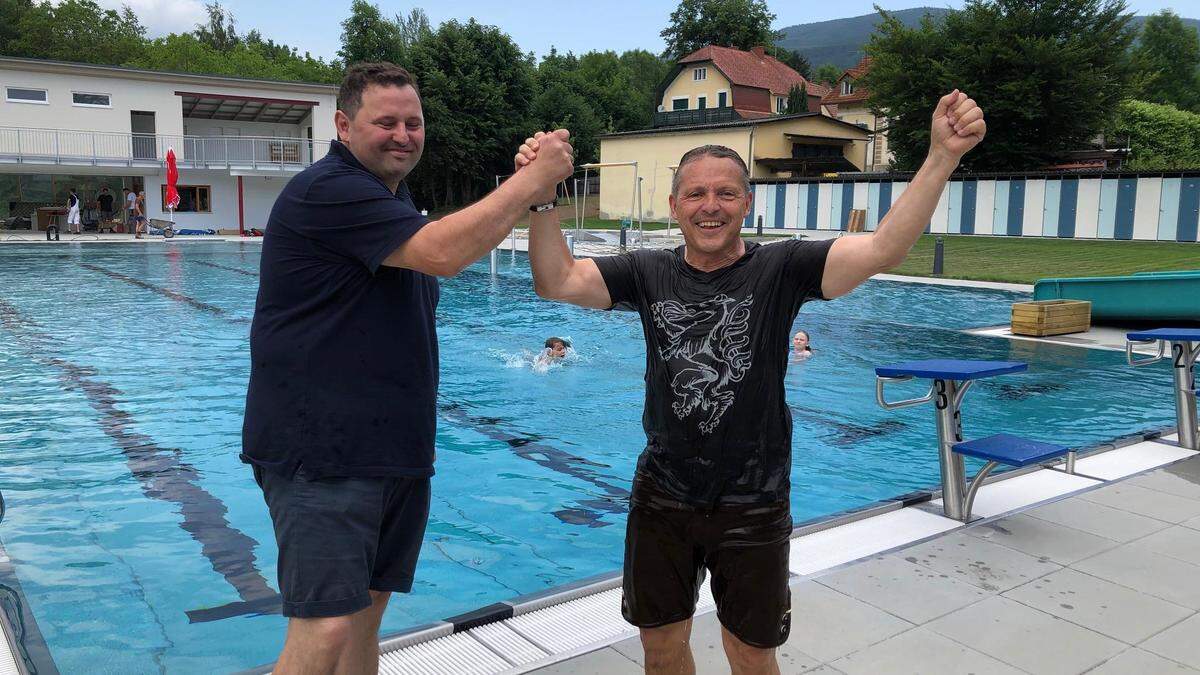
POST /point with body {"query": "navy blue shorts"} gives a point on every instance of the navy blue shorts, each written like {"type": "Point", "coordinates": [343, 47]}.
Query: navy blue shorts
{"type": "Point", "coordinates": [341, 537]}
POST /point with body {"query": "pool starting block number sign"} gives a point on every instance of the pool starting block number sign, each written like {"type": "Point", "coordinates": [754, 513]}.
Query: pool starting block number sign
{"type": "Point", "coordinates": [1185, 349]}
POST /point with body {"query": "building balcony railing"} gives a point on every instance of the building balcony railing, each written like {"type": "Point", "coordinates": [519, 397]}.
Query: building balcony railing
{"type": "Point", "coordinates": [673, 118]}
{"type": "Point", "coordinates": [102, 148]}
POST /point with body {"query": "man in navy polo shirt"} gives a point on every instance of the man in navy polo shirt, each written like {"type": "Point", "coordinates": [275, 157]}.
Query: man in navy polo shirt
{"type": "Point", "coordinates": [340, 410]}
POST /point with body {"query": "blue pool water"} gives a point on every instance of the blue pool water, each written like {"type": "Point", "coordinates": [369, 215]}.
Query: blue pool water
{"type": "Point", "coordinates": [141, 543]}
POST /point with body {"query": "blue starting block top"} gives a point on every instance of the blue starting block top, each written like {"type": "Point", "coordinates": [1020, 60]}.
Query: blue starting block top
{"type": "Point", "coordinates": [1011, 450]}
{"type": "Point", "coordinates": [951, 369]}
{"type": "Point", "coordinates": [1178, 334]}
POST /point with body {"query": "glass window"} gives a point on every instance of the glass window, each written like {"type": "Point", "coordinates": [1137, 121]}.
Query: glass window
{"type": "Point", "coordinates": [701, 102]}
{"type": "Point", "coordinates": [679, 104]}
{"type": "Point", "coordinates": [10, 193]}
{"type": "Point", "coordinates": [192, 198]}
{"type": "Point", "coordinates": [700, 74]}
{"type": "Point", "coordinates": [721, 99]}
{"type": "Point", "coordinates": [22, 95]}
{"type": "Point", "coordinates": [98, 100]}
{"type": "Point", "coordinates": [847, 87]}
{"type": "Point", "coordinates": [37, 188]}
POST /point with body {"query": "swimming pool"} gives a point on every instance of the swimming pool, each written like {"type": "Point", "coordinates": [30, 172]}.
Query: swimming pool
{"type": "Point", "coordinates": [140, 542]}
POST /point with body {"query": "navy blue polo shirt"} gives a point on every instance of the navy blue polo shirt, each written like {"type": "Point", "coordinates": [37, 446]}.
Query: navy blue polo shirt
{"type": "Point", "coordinates": [343, 350]}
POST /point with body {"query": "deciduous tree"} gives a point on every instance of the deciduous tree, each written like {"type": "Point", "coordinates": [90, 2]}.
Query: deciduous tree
{"type": "Point", "coordinates": [1048, 75]}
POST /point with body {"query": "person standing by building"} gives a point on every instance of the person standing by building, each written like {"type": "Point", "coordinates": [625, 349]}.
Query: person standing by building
{"type": "Point", "coordinates": [104, 201]}
{"type": "Point", "coordinates": [73, 212]}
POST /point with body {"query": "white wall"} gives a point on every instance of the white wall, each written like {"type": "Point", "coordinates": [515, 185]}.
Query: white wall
{"type": "Point", "coordinates": [258, 197]}
{"type": "Point", "coordinates": [131, 93]}
{"type": "Point", "coordinates": [260, 193]}
{"type": "Point", "coordinates": [223, 194]}
{"type": "Point", "coordinates": [198, 127]}
{"type": "Point", "coordinates": [59, 113]}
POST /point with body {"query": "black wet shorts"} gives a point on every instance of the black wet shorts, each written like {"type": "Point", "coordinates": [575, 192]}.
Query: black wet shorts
{"type": "Point", "coordinates": [340, 537]}
{"type": "Point", "coordinates": [669, 545]}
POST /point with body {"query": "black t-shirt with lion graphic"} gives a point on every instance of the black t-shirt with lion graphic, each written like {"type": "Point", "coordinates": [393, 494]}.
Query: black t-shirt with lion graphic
{"type": "Point", "coordinates": [718, 429]}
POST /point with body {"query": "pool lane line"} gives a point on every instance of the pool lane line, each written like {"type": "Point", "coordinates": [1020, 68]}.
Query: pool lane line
{"type": "Point", "coordinates": [590, 512]}
{"type": "Point", "coordinates": [531, 448]}
{"type": "Point", "coordinates": [845, 433]}
{"type": "Point", "coordinates": [166, 292]}
{"type": "Point", "coordinates": [163, 475]}
{"type": "Point", "coordinates": [226, 268]}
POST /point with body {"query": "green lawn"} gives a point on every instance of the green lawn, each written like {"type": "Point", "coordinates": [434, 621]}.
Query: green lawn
{"type": "Point", "coordinates": [1017, 260]}
{"type": "Point", "coordinates": [1024, 261]}
{"type": "Point", "coordinates": [598, 224]}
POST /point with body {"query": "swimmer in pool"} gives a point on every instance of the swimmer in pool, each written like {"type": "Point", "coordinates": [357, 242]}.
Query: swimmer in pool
{"type": "Point", "coordinates": [555, 350]}
{"type": "Point", "coordinates": [800, 347]}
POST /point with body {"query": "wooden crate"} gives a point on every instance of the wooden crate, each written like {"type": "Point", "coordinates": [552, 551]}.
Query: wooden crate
{"type": "Point", "coordinates": [1051, 317]}
{"type": "Point", "coordinates": [857, 220]}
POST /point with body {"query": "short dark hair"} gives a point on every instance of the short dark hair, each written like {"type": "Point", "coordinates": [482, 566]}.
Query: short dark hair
{"type": "Point", "coordinates": [550, 342]}
{"type": "Point", "coordinates": [719, 151]}
{"type": "Point", "coordinates": [362, 75]}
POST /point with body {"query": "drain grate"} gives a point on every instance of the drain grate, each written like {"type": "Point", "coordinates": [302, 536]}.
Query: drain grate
{"type": "Point", "coordinates": [574, 624]}
{"type": "Point", "coordinates": [457, 654]}
{"type": "Point", "coordinates": [502, 640]}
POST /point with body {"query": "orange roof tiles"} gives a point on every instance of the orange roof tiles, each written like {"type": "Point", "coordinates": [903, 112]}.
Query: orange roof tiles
{"type": "Point", "coordinates": [754, 69]}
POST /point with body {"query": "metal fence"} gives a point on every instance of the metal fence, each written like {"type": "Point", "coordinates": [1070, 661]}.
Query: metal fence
{"type": "Point", "coordinates": [102, 148]}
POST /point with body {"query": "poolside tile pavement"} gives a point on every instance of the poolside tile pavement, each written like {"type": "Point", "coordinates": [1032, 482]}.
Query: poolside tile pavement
{"type": "Point", "coordinates": [910, 591]}
{"type": "Point", "coordinates": [1180, 643]}
{"type": "Point", "coordinates": [1181, 543]}
{"type": "Point", "coordinates": [920, 651]}
{"type": "Point", "coordinates": [1042, 538]}
{"type": "Point", "coordinates": [1024, 637]}
{"type": "Point", "coordinates": [1139, 661]}
{"type": "Point", "coordinates": [1098, 519]}
{"type": "Point", "coordinates": [978, 562]}
{"type": "Point", "coordinates": [1133, 566]}
{"type": "Point", "coordinates": [1145, 502]}
{"type": "Point", "coordinates": [1090, 583]}
{"type": "Point", "coordinates": [1102, 606]}
{"type": "Point", "coordinates": [820, 616]}
{"type": "Point", "coordinates": [1169, 482]}
{"type": "Point", "coordinates": [710, 655]}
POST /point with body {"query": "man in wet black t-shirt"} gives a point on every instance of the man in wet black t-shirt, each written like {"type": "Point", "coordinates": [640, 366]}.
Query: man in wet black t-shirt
{"type": "Point", "coordinates": [717, 425]}
{"type": "Point", "coordinates": [711, 491]}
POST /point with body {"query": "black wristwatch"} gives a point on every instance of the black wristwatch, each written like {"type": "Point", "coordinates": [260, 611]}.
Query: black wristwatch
{"type": "Point", "coordinates": [542, 208]}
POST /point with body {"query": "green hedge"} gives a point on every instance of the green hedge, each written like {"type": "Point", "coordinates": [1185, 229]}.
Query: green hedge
{"type": "Point", "coordinates": [1161, 137]}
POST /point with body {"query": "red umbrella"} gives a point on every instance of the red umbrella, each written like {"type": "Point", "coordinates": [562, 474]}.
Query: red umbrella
{"type": "Point", "coordinates": [172, 201]}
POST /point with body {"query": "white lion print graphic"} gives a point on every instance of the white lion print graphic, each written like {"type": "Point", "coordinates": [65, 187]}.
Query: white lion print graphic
{"type": "Point", "coordinates": [712, 339]}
